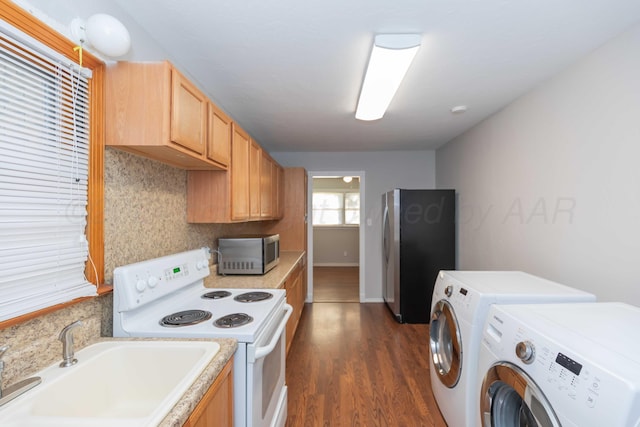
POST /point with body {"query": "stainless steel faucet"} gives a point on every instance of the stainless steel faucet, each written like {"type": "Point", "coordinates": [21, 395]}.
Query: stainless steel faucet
{"type": "Point", "coordinates": [66, 336]}
{"type": "Point", "coordinates": [18, 388]}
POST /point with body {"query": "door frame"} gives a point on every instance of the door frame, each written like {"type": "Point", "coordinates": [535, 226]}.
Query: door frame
{"type": "Point", "coordinates": [361, 257]}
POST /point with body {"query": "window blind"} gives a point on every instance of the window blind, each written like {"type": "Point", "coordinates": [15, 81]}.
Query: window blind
{"type": "Point", "coordinates": [44, 145]}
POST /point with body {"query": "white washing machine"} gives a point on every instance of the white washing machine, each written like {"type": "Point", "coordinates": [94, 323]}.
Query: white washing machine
{"type": "Point", "coordinates": [461, 300]}
{"type": "Point", "coordinates": [569, 365]}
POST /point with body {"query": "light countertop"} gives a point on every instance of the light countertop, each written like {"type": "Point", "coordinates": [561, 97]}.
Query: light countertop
{"type": "Point", "coordinates": [272, 280]}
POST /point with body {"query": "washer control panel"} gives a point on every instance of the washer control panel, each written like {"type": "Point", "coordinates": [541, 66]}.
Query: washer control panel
{"type": "Point", "coordinates": [463, 299]}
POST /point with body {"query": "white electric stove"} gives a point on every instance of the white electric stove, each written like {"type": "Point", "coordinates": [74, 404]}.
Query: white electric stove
{"type": "Point", "coordinates": [166, 297]}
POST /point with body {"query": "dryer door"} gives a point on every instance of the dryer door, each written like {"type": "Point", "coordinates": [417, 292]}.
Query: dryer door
{"type": "Point", "coordinates": [445, 344]}
{"type": "Point", "coordinates": [509, 397]}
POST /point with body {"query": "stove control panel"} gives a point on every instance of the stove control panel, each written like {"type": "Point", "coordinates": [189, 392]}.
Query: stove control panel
{"type": "Point", "coordinates": [135, 285]}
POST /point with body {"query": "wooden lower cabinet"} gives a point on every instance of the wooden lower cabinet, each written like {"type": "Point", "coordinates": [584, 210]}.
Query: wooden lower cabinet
{"type": "Point", "coordinates": [216, 407]}
{"type": "Point", "coordinates": [296, 288]}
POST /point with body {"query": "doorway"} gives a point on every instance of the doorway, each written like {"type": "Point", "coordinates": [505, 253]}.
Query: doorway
{"type": "Point", "coordinates": [336, 255]}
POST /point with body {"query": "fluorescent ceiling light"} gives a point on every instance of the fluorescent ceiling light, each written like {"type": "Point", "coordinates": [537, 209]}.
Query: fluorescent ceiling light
{"type": "Point", "coordinates": [391, 57]}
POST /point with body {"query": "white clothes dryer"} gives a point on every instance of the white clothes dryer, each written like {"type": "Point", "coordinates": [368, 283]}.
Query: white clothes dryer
{"type": "Point", "coordinates": [569, 365]}
{"type": "Point", "coordinates": [461, 300]}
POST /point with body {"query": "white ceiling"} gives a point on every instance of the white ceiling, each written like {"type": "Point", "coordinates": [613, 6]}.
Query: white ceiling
{"type": "Point", "coordinates": [290, 71]}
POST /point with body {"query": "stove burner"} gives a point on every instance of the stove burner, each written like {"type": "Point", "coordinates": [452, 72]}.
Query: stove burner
{"type": "Point", "coordinates": [185, 318]}
{"type": "Point", "coordinates": [253, 296]}
{"type": "Point", "coordinates": [216, 295]}
{"type": "Point", "coordinates": [233, 320]}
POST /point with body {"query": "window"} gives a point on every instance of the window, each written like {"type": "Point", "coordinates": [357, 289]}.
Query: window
{"type": "Point", "coordinates": [336, 208]}
{"type": "Point", "coordinates": [46, 181]}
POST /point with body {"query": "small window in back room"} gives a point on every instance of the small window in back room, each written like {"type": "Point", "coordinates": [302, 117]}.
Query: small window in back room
{"type": "Point", "coordinates": [335, 203]}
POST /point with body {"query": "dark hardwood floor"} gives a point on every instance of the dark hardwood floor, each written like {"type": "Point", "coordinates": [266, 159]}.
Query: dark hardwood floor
{"type": "Point", "coordinates": [336, 284]}
{"type": "Point", "coordinates": [352, 364]}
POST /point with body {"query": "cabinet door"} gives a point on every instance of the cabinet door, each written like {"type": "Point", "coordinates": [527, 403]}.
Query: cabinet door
{"type": "Point", "coordinates": [218, 136]}
{"type": "Point", "coordinates": [239, 174]}
{"type": "Point", "coordinates": [216, 407]}
{"type": "Point", "coordinates": [188, 114]}
{"type": "Point", "coordinates": [266, 187]}
{"type": "Point", "coordinates": [255, 161]}
{"type": "Point", "coordinates": [277, 182]}
{"type": "Point", "coordinates": [295, 296]}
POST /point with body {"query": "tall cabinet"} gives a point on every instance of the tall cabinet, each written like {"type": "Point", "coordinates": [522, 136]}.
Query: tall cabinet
{"type": "Point", "coordinates": [293, 225]}
{"type": "Point", "coordinates": [292, 229]}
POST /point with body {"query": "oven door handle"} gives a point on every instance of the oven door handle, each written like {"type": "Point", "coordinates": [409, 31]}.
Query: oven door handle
{"type": "Point", "coordinates": [265, 350]}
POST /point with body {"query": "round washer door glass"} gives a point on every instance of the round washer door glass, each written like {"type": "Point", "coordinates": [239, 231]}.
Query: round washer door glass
{"type": "Point", "coordinates": [445, 344]}
{"type": "Point", "coordinates": [509, 398]}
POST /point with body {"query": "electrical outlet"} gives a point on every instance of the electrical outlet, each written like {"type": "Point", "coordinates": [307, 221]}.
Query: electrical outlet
{"type": "Point", "coordinates": [345, 253]}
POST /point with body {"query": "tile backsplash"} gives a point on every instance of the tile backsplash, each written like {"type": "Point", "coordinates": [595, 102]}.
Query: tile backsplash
{"type": "Point", "coordinates": [145, 217]}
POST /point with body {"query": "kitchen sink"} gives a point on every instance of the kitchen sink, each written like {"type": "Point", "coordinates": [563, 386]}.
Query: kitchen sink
{"type": "Point", "coordinates": [114, 383]}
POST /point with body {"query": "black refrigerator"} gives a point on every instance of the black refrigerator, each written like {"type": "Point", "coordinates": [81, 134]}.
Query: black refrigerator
{"type": "Point", "coordinates": [418, 238]}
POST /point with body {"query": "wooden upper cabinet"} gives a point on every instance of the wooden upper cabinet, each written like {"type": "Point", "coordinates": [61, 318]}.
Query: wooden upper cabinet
{"type": "Point", "coordinates": [240, 186]}
{"type": "Point", "coordinates": [271, 188]}
{"type": "Point", "coordinates": [278, 178]}
{"type": "Point", "coordinates": [255, 163]}
{"type": "Point", "coordinates": [188, 114]}
{"type": "Point", "coordinates": [152, 110]}
{"type": "Point", "coordinates": [266, 186]}
{"type": "Point", "coordinates": [235, 195]}
{"type": "Point", "coordinates": [219, 136]}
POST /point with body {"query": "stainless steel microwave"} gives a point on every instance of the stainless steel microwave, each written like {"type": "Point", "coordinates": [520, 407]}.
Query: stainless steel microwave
{"type": "Point", "coordinates": [248, 254]}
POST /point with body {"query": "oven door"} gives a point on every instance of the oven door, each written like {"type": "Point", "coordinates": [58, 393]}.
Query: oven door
{"type": "Point", "coordinates": [266, 389]}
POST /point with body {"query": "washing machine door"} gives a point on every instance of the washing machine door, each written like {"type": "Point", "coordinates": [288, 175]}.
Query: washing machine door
{"type": "Point", "coordinates": [510, 398]}
{"type": "Point", "coordinates": [445, 344]}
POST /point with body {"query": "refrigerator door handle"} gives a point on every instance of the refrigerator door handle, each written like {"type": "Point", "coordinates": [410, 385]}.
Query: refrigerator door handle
{"type": "Point", "coordinates": [385, 233]}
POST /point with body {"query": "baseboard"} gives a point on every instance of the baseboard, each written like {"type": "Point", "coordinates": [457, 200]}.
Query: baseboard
{"type": "Point", "coordinates": [335, 264]}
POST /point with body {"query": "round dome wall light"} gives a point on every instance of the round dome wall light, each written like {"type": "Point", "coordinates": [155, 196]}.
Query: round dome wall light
{"type": "Point", "coordinates": [104, 32]}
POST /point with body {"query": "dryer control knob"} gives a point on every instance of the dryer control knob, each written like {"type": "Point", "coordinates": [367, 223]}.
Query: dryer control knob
{"type": "Point", "coordinates": [526, 351]}
{"type": "Point", "coordinates": [448, 291]}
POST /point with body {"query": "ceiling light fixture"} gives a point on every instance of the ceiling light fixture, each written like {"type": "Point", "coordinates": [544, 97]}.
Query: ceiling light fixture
{"type": "Point", "coordinates": [347, 179]}
{"type": "Point", "coordinates": [459, 109]}
{"type": "Point", "coordinates": [390, 59]}
{"type": "Point", "coordinates": [104, 32]}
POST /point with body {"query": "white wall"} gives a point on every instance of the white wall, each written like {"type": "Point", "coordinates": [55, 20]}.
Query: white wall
{"type": "Point", "coordinates": [336, 246]}
{"type": "Point", "coordinates": [383, 172]}
{"type": "Point", "coordinates": [551, 184]}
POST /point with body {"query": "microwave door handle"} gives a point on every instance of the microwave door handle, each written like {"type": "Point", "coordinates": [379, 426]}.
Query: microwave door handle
{"type": "Point", "coordinates": [265, 350]}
